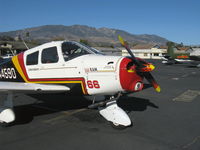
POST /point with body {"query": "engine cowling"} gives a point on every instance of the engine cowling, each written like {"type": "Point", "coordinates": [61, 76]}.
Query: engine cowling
{"type": "Point", "coordinates": [130, 80]}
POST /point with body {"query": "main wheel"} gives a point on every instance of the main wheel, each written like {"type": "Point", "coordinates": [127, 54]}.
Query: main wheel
{"type": "Point", "coordinates": [4, 124]}
{"type": "Point", "coordinates": [118, 126]}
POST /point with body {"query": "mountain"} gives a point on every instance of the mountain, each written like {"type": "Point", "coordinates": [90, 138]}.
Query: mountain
{"type": "Point", "coordinates": [95, 36]}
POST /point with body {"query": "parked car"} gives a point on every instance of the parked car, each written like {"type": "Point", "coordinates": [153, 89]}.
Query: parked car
{"type": "Point", "coordinates": [7, 56]}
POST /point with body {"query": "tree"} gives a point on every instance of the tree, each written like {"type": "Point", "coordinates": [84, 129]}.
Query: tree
{"type": "Point", "coordinates": [84, 42]}
{"type": "Point", "coordinates": [6, 38]}
{"type": "Point", "coordinates": [180, 45]}
{"type": "Point", "coordinates": [59, 38]}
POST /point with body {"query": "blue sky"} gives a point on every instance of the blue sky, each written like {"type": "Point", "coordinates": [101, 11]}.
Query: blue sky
{"type": "Point", "coordinates": [176, 20]}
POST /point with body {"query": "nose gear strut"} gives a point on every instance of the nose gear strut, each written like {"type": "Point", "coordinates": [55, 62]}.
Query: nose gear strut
{"type": "Point", "coordinates": [112, 112]}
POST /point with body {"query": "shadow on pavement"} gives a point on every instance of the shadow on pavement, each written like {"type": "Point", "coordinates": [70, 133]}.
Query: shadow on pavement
{"type": "Point", "coordinates": [52, 103]}
{"type": "Point", "coordinates": [47, 104]}
{"type": "Point", "coordinates": [135, 104]}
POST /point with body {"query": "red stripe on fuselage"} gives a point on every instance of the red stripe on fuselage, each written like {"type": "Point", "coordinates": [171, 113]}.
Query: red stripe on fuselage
{"type": "Point", "coordinates": [21, 62]}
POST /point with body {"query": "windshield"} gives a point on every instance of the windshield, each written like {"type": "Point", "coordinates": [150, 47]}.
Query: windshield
{"type": "Point", "coordinates": [91, 49]}
{"type": "Point", "coordinates": [71, 50]}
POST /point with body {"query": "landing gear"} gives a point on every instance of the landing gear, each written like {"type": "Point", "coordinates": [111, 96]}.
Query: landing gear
{"type": "Point", "coordinates": [113, 113]}
{"type": "Point", "coordinates": [3, 124]}
{"type": "Point", "coordinates": [117, 126]}
{"type": "Point", "coordinates": [116, 115]}
{"type": "Point", "coordinates": [7, 114]}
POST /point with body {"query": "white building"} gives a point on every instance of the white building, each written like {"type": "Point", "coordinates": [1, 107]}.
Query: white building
{"type": "Point", "coordinates": [194, 51]}
{"type": "Point", "coordinates": [147, 51]}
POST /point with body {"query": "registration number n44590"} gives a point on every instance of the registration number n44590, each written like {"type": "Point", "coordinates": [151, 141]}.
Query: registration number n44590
{"type": "Point", "coordinates": [8, 73]}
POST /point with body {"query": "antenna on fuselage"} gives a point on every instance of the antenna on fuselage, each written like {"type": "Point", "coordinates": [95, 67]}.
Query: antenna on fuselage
{"type": "Point", "coordinates": [22, 38]}
{"type": "Point", "coordinates": [25, 43]}
{"type": "Point", "coordinates": [12, 51]}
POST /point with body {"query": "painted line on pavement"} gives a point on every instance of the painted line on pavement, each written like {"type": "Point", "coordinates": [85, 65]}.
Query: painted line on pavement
{"type": "Point", "coordinates": [187, 96]}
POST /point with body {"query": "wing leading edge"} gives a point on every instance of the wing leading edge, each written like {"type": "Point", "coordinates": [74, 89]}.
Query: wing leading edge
{"type": "Point", "coordinates": [31, 87]}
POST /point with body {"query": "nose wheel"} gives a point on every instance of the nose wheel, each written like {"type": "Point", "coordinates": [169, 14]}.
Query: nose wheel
{"type": "Point", "coordinates": [7, 114]}
{"type": "Point", "coordinates": [109, 109]}
{"type": "Point", "coordinates": [117, 117]}
{"type": "Point", "coordinates": [4, 124]}
{"type": "Point", "coordinates": [118, 126]}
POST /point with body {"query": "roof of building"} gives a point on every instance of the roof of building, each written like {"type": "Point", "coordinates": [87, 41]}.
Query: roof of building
{"type": "Point", "coordinates": [143, 46]}
{"type": "Point", "coordinates": [195, 51]}
{"type": "Point", "coordinates": [148, 46]}
{"type": "Point", "coordinates": [163, 47]}
{"type": "Point", "coordinates": [17, 44]}
{"type": "Point", "coordinates": [183, 48]}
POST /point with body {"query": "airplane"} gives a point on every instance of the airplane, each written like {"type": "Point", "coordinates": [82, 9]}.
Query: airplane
{"type": "Point", "coordinates": [192, 61]}
{"type": "Point", "coordinates": [180, 58]}
{"type": "Point", "coordinates": [195, 61]}
{"type": "Point", "coordinates": [175, 58]}
{"type": "Point", "coordinates": [72, 67]}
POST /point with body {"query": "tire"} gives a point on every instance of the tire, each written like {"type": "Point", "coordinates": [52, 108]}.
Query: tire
{"type": "Point", "coordinates": [4, 124]}
{"type": "Point", "coordinates": [118, 126]}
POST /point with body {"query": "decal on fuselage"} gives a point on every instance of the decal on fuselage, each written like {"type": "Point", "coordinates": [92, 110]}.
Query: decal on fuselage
{"type": "Point", "coordinates": [87, 70]}
{"type": "Point", "coordinates": [8, 73]}
{"type": "Point", "coordinates": [93, 84]}
{"type": "Point", "coordinates": [109, 67]}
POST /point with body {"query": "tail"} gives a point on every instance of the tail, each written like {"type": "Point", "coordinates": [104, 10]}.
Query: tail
{"type": "Point", "coordinates": [170, 49]}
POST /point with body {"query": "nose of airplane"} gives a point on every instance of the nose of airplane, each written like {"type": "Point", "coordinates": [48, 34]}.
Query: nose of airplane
{"type": "Point", "coordinates": [130, 80]}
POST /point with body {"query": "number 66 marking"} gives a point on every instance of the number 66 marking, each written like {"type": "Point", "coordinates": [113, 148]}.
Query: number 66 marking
{"type": "Point", "coordinates": [93, 84]}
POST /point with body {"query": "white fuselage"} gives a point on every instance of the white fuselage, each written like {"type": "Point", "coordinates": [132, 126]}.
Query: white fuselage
{"type": "Point", "coordinates": [100, 72]}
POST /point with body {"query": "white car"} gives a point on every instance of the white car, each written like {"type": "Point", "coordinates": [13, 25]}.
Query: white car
{"type": "Point", "coordinates": [7, 56]}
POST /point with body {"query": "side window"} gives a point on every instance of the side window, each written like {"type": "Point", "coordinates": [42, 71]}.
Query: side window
{"type": "Point", "coordinates": [49, 55]}
{"type": "Point", "coordinates": [32, 59]}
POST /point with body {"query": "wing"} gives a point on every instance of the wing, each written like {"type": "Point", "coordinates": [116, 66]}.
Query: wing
{"type": "Point", "coordinates": [31, 87]}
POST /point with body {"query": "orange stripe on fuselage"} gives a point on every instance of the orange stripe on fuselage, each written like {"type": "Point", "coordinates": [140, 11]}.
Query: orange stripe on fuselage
{"type": "Point", "coordinates": [18, 62]}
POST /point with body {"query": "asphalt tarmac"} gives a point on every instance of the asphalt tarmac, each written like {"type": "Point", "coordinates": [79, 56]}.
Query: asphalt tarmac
{"type": "Point", "coordinates": [169, 120]}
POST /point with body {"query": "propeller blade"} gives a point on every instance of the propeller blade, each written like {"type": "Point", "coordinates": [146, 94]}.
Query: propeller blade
{"type": "Point", "coordinates": [123, 43]}
{"type": "Point", "coordinates": [147, 75]}
{"type": "Point", "coordinates": [152, 81]}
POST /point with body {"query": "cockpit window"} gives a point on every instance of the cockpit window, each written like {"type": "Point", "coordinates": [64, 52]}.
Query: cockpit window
{"type": "Point", "coordinates": [32, 59]}
{"type": "Point", "coordinates": [49, 55]}
{"type": "Point", "coordinates": [71, 50]}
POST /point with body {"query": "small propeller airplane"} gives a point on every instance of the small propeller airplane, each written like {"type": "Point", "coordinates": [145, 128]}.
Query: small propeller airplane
{"type": "Point", "coordinates": [68, 66]}
{"type": "Point", "coordinates": [180, 58]}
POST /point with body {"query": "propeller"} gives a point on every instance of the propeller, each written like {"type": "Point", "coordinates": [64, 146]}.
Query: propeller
{"type": "Point", "coordinates": [141, 66]}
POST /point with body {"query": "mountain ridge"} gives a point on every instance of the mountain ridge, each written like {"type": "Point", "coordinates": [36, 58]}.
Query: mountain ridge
{"type": "Point", "coordinates": [93, 35]}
